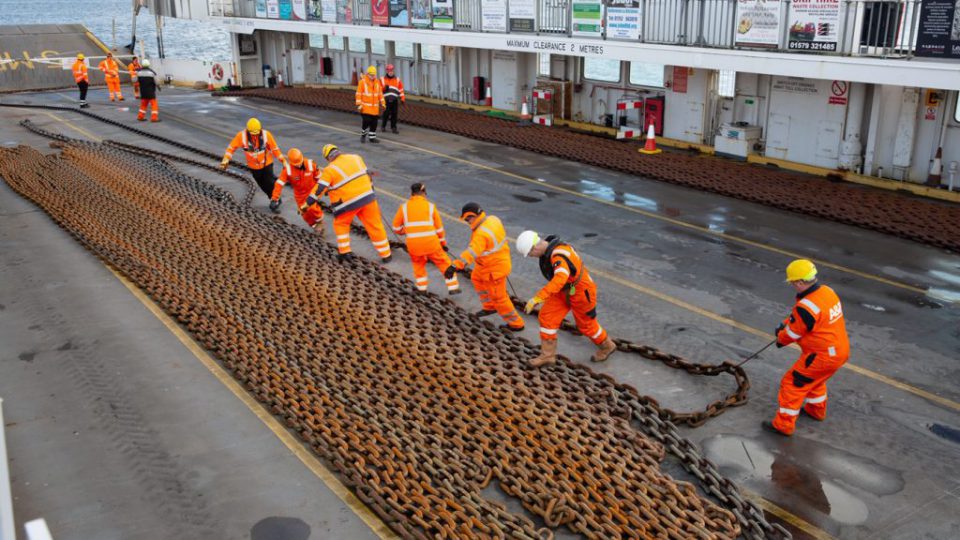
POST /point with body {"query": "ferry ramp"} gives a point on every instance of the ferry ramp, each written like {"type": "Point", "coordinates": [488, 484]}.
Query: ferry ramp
{"type": "Point", "coordinates": [29, 55]}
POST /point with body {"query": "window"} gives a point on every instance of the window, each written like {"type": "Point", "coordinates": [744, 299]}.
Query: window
{"type": "Point", "coordinates": [335, 43]}
{"type": "Point", "coordinates": [544, 68]}
{"type": "Point", "coordinates": [599, 69]}
{"type": "Point", "coordinates": [727, 83]}
{"type": "Point", "coordinates": [358, 44]}
{"type": "Point", "coordinates": [646, 74]}
{"type": "Point", "coordinates": [403, 49]}
{"type": "Point", "coordinates": [431, 53]}
{"type": "Point", "coordinates": [378, 46]}
{"type": "Point", "coordinates": [316, 41]}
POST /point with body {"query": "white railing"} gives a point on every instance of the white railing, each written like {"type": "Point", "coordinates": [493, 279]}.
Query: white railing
{"type": "Point", "coordinates": [7, 527]}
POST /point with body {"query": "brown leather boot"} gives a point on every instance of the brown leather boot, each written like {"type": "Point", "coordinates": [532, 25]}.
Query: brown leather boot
{"type": "Point", "coordinates": [548, 353]}
{"type": "Point", "coordinates": [605, 350]}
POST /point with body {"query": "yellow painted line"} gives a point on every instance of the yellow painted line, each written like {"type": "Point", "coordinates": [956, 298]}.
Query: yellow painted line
{"type": "Point", "coordinates": [305, 456]}
{"type": "Point", "coordinates": [652, 215]}
{"type": "Point", "coordinates": [311, 462]}
{"type": "Point", "coordinates": [74, 127]}
{"type": "Point", "coordinates": [788, 517]}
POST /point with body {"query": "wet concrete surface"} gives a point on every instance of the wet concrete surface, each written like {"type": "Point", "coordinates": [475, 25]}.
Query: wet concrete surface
{"type": "Point", "coordinates": [883, 465]}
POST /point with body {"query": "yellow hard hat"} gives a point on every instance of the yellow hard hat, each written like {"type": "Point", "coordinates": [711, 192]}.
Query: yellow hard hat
{"type": "Point", "coordinates": [329, 149]}
{"type": "Point", "coordinates": [253, 126]}
{"type": "Point", "coordinates": [80, 56]}
{"type": "Point", "coordinates": [801, 270]}
{"type": "Point", "coordinates": [372, 70]}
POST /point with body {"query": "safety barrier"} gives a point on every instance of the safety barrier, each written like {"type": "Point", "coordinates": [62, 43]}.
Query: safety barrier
{"type": "Point", "coordinates": [7, 527]}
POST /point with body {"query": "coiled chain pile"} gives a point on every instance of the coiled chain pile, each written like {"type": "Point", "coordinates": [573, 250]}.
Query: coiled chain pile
{"type": "Point", "coordinates": [419, 405]}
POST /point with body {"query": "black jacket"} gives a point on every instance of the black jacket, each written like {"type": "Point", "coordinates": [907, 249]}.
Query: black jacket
{"type": "Point", "coordinates": [148, 83]}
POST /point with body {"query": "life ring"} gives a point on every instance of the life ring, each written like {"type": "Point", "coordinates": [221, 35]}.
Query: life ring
{"type": "Point", "coordinates": [217, 72]}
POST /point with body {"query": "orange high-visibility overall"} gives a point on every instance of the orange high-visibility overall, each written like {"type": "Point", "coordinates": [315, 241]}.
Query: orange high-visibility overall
{"type": "Point", "coordinates": [420, 221]}
{"type": "Point", "coordinates": [570, 288]}
{"type": "Point", "coordinates": [80, 72]}
{"type": "Point", "coordinates": [257, 148]}
{"type": "Point", "coordinates": [817, 325]}
{"type": "Point", "coordinates": [490, 253]}
{"type": "Point", "coordinates": [111, 72]}
{"type": "Point", "coordinates": [304, 180]}
{"type": "Point", "coordinates": [370, 96]}
{"type": "Point", "coordinates": [132, 68]}
{"type": "Point", "coordinates": [346, 182]}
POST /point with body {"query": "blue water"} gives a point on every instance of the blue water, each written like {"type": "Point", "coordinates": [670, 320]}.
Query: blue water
{"type": "Point", "coordinates": [183, 38]}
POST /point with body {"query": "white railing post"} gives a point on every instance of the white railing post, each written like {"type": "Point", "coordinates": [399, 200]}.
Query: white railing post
{"type": "Point", "coordinates": [7, 528]}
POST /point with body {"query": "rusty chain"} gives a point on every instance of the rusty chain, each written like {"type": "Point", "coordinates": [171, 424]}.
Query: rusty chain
{"type": "Point", "coordinates": [603, 395]}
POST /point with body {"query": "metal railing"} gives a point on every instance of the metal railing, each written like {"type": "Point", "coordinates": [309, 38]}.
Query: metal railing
{"type": "Point", "coordinates": [883, 28]}
{"type": "Point", "coordinates": [7, 527]}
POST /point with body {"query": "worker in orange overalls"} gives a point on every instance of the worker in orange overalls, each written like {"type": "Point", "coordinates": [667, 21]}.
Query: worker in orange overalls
{"type": "Point", "coordinates": [419, 220]}
{"type": "Point", "coordinates": [569, 287]}
{"type": "Point", "coordinates": [302, 174]}
{"type": "Point", "coordinates": [369, 103]}
{"type": "Point", "coordinates": [132, 68]}
{"type": "Point", "coordinates": [346, 182]}
{"type": "Point", "coordinates": [111, 71]}
{"type": "Point", "coordinates": [490, 253]}
{"type": "Point", "coordinates": [816, 324]}
{"type": "Point", "coordinates": [260, 148]}
{"type": "Point", "coordinates": [394, 96]}
{"type": "Point", "coordinates": [82, 79]}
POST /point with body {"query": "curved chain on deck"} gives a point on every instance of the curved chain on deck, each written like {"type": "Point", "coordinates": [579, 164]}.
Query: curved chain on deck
{"type": "Point", "coordinates": [612, 401]}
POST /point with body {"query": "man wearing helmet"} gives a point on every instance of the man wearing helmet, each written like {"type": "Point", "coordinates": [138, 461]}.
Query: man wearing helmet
{"type": "Point", "coordinates": [394, 96]}
{"type": "Point", "coordinates": [816, 324]}
{"type": "Point", "coordinates": [145, 81]}
{"type": "Point", "coordinates": [369, 102]}
{"type": "Point", "coordinates": [82, 79]}
{"type": "Point", "coordinates": [569, 288]}
{"type": "Point", "coordinates": [302, 174]}
{"type": "Point", "coordinates": [260, 148]}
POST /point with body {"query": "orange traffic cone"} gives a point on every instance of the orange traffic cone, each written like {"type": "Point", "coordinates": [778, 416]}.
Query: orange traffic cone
{"type": "Point", "coordinates": [488, 101]}
{"type": "Point", "coordinates": [209, 82]}
{"type": "Point", "coordinates": [524, 112]}
{"type": "Point", "coordinates": [279, 80]}
{"type": "Point", "coordinates": [651, 145]}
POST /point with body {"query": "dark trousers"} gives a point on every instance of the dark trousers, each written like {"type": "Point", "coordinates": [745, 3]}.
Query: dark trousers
{"type": "Point", "coordinates": [83, 85]}
{"type": "Point", "coordinates": [265, 179]}
{"type": "Point", "coordinates": [369, 125]}
{"type": "Point", "coordinates": [390, 113]}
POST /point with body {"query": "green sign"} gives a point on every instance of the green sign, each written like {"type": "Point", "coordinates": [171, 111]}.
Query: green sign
{"type": "Point", "coordinates": [587, 18]}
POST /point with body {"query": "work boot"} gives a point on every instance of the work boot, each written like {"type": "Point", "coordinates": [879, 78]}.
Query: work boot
{"type": "Point", "coordinates": [386, 259]}
{"type": "Point", "coordinates": [767, 426]}
{"type": "Point", "coordinates": [140, 119]}
{"type": "Point", "coordinates": [120, 98]}
{"type": "Point", "coordinates": [817, 417]}
{"type": "Point", "coordinates": [345, 257]}
{"type": "Point", "coordinates": [509, 328]}
{"type": "Point", "coordinates": [318, 228]}
{"type": "Point", "coordinates": [485, 312]}
{"type": "Point", "coordinates": [395, 130]}
{"type": "Point", "coordinates": [84, 105]}
{"type": "Point", "coordinates": [154, 119]}
{"type": "Point", "coordinates": [605, 350]}
{"type": "Point", "coordinates": [452, 292]}
{"type": "Point", "coordinates": [363, 138]}
{"type": "Point", "coordinates": [374, 140]}
{"type": "Point", "coordinates": [548, 353]}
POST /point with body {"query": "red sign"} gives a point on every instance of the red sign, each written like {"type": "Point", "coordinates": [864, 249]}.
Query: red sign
{"type": "Point", "coordinates": [931, 113]}
{"type": "Point", "coordinates": [839, 91]}
{"type": "Point", "coordinates": [680, 79]}
{"type": "Point", "coordinates": [381, 12]}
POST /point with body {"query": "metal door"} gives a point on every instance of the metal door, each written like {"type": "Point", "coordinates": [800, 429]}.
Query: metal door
{"type": "Point", "coordinates": [778, 136]}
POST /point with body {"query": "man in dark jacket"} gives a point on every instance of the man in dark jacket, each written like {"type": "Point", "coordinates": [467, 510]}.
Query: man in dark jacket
{"type": "Point", "coordinates": [394, 96]}
{"type": "Point", "coordinates": [147, 80]}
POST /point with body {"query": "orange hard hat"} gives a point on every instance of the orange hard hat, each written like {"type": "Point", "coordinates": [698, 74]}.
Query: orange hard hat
{"type": "Point", "coordinates": [295, 156]}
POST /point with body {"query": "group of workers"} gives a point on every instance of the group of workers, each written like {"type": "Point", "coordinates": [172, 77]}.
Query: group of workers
{"type": "Point", "coordinates": [142, 78]}
{"type": "Point", "coordinates": [379, 99]}
{"type": "Point", "coordinates": [815, 324]}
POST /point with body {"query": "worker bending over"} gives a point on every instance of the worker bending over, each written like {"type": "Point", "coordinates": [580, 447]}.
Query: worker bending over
{"type": "Point", "coordinates": [816, 324]}
{"type": "Point", "coordinates": [145, 80]}
{"type": "Point", "coordinates": [302, 174]}
{"type": "Point", "coordinates": [82, 79]}
{"type": "Point", "coordinates": [394, 96]}
{"type": "Point", "coordinates": [111, 72]}
{"type": "Point", "coordinates": [369, 103]}
{"type": "Point", "coordinates": [569, 287]}
{"type": "Point", "coordinates": [419, 220]}
{"type": "Point", "coordinates": [490, 254]}
{"type": "Point", "coordinates": [260, 148]}
{"type": "Point", "coordinates": [132, 68]}
{"type": "Point", "coordinates": [346, 182]}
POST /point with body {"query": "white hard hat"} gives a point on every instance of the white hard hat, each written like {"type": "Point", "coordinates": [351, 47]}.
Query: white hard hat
{"type": "Point", "coordinates": [526, 241]}
{"type": "Point", "coordinates": [145, 63]}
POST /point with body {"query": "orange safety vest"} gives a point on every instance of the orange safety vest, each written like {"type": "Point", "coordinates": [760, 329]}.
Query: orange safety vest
{"type": "Point", "coordinates": [369, 96]}
{"type": "Point", "coordinates": [346, 182]}
{"type": "Point", "coordinates": [132, 69]}
{"type": "Point", "coordinates": [563, 269]}
{"type": "Point", "coordinates": [80, 71]}
{"type": "Point", "coordinates": [488, 249]}
{"type": "Point", "coordinates": [393, 88]}
{"type": "Point", "coordinates": [258, 148]}
{"type": "Point", "coordinates": [110, 68]}
{"type": "Point", "coordinates": [303, 179]}
{"type": "Point", "coordinates": [816, 323]}
{"type": "Point", "coordinates": [420, 221]}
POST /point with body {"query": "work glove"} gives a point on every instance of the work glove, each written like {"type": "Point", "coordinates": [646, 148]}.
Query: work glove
{"type": "Point", "coordinates": [274, 204]}
{"type": "Point", "coordinates": [776, 335]}
{"type": "Point", "coordinates": [225, 163]}
{"type": "Point", "coordinates": [359, 107]}
{"type": "Point", "coordinates": [532, 303]}
{"type": "Point", "coordinates": [445, 248]}
{"type": "Point", "coordinates": [449, 272]}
